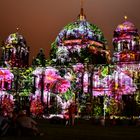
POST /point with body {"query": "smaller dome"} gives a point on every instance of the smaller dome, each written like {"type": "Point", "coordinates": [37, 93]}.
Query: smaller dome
{"type": "Point", "coordinates": [15, 38]}
{"type": "Point", "coordinates": [15, 52]}
{"type": "Point", "coordinates": [126, 43]}
{"type": "Point", "coordinates": [125, 26]}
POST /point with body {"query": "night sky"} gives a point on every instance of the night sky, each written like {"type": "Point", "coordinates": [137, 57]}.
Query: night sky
{"type": "Point", "coordinates": [40, 21]}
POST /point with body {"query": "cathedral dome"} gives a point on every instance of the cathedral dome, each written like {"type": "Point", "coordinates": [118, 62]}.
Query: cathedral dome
{"type": "Point", "coordinates": [126, 26]}
{"type": "Point", "coordinates": [15, 52]}
{"type": "Point", "coordinates": [80, 31]}
{"type": "Point", "coordinates": [126, 43]}
{"type": "Point", "coordinates": [125, 31]}
{"type": "Point", "coordinates": [79, 42]}
{"type": "Point", "coordinates": [15, 38]}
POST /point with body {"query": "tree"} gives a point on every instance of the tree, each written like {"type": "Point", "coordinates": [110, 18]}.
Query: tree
{"type": "Point", "coordinates": [40, 59]}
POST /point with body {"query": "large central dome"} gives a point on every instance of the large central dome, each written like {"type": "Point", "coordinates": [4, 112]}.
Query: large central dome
{"type": "Point", "coordinates": [80, 31]}
{"type": "Point", "coordinates": [81, 42]}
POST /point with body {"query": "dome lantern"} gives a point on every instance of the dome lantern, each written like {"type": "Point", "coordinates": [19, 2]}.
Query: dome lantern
{"type": "Point", "coordinates": [82, 15]}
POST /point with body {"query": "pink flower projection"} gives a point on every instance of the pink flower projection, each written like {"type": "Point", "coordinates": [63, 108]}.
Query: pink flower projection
{"type": "Point", "coordinates": [79, 67]}
{"type": "Point", "coordinates": [5, 76]}
{"type": "Point", "coordinates": [36, 107]}
{"type": "Point", "coordinates": [85, 82]}
{"type": "Point", "coordinates": [53, 82]}
{"type": "Point", "coordinates": [51, 75]}
{"type": "Point", "coordinates": [118, 83]}
{"type": "Point", "coordinates": [101, 86]}
{"type": "Point", "coordinates": [62, 85]}
{"type": "Point", "coordinates": [124, 84]}
{"type": "Point", "coordinates": [7, 103]}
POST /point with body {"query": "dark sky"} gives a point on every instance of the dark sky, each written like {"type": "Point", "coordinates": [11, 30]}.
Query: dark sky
{"type": "Point", "coordinates": [40, 21]}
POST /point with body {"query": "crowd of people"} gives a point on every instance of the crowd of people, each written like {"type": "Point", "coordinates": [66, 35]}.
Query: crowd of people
{"type": "Point", "coordinates": [18, 123]}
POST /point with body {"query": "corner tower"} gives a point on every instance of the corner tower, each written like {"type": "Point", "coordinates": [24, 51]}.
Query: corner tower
{"type": "Point", "coordinates": [126, 42]}
{"type": "Point", "coordinates": [15, 52]}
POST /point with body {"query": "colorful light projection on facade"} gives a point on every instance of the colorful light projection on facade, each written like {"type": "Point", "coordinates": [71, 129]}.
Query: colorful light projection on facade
{"type": "Point", "coordinates": [80, 42]}
{"type": "Point", "coordinates": [6, 79]}
{"type": "Point", "coordinates": [15, 52]}
{"type": "Point", "coordinates": [66, 84]}
{"type": "Point", "coordinates": [108, 80]}
{"type": "Point", "coordinates": [6, 99]}
{"type": "Point", "coordinates": [126, 43]}
{"type": "Point", "coordinates": [51, 81]}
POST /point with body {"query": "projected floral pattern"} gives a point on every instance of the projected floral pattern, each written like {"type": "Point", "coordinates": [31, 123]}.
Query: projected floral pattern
{"type": "Point", "coordinates": [6, 79]}
{"type": "Point", "coordinates": [126, 43]}
{"type": "Point", "coordinates": [7, 103]}
{"type": "Point", "coordinates": [15, 52]}
{"type": "Point", "coordinates": [79, 42]}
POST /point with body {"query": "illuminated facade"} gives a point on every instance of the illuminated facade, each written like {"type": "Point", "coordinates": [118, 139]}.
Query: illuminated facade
{"type": "Point", "coordinates": [79, 69]}
{"type": "Point", "coordinates": [126, 43]}
{"type": "Point", "coordinates": [15, 52]}
{"type": "Point", "coordinates": [80, 42]}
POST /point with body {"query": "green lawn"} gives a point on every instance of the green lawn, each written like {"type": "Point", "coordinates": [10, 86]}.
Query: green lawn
{"type": "Point", "coordinates": [83, 130]}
